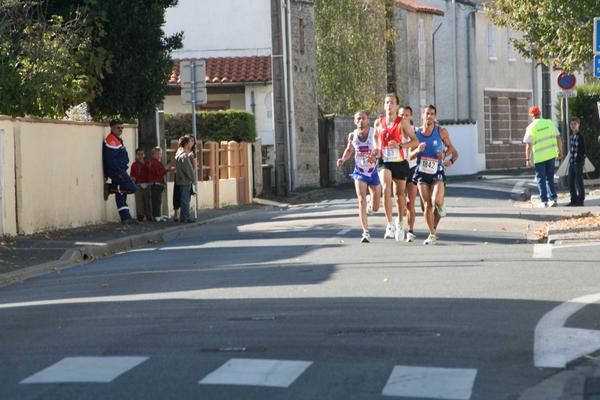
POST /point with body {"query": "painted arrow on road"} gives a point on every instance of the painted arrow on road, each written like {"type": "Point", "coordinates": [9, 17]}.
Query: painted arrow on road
{"type": "Point", "coordinates": [555, 345]}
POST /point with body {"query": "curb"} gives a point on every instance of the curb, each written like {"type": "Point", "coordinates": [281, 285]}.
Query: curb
{"type": "Point", "coordinates": [271, 203]}
{"type": "Point", "coordinates": [83, 254]}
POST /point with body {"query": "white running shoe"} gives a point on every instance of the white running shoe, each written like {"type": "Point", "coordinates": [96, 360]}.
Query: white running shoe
{"type": "Point", "coordinates": [441, 211]}
{"type": "Point", "coordinates": [400, 233]}
{"type": "Point", "coordinates": [389, 232]}
{"type": "Point", "coordinates": [543, 205]}
{"type": "Point", "coordinates": [431, 239]}
{"type": "Point", "coordinates": [365, 237]}
{"type": "Point", "coordinates": [553, 203]}
{"type": "Point", "coordinates": [410, 237]}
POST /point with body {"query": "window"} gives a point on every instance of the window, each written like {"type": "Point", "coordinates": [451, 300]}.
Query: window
{"type": "Point", "coordinates": [492, 42]}
{"type": "Point", "coordinates": [510, 50]}
{"type": "Point", "coordinates": [301, 34]}
{"type": "Point", "coordinates": [513, 121]}
{"type": "Point", "coordinates": [494, 121]}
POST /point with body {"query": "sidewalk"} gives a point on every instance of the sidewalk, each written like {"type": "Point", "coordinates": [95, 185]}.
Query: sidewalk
{"type": "Point", "coordinates": [567, 224]}
{"type": "Point", "coordinates": [25, 256]}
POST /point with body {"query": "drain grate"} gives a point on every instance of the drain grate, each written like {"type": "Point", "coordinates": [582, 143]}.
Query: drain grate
{"type": "Point", "coordinates": [386, 331]}
{"type": "Point", "coordinates": [255, 318]}
{"type": "Point", "coordinates": [234, 349]}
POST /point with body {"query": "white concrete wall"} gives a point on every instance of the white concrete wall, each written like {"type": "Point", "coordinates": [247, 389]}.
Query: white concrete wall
{"type": "Point", "coordinates": [59, 177]}
{"type": "Point", "coordinates": [263, 111]}
{"type": "Point", "coordinates": [464, 138]}
{"type": "Point", "coordinates": [221, 28]}
{"type": "Point", "coordinates": [7, 195]}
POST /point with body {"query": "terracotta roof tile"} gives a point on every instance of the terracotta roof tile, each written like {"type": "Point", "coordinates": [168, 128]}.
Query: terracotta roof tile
{"type": "Point", "coordinates": [232, 70]}
{"type": "Point", "coordinates": [412, 5]}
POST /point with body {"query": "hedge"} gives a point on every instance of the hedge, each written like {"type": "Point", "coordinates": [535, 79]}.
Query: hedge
{"type": "Point", "coordinates": [584, 106]}
{"type": "Point", "coordinates": [213, 126]}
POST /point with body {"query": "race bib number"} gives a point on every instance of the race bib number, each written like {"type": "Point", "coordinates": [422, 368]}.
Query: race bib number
{"type": "Point", "coordinates": [363, 163]}
{"type": "Point", "coordinates": [428, 165]}
{"type": "Point", "coordinates": [391, 154]}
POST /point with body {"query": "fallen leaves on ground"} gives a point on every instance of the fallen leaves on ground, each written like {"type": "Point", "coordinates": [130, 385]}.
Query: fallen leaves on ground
{"type": "Point", "coordinates": [585, 221]}
{"type": "Point", "coordinates": [582, 221]}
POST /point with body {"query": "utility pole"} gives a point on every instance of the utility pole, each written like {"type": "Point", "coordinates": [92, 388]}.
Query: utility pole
{"type": "Point", "coordinates": [280, 115]}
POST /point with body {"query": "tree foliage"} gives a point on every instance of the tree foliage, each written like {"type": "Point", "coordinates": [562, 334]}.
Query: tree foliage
{"type": "Point", "coordinates": [141, 53]}
{"type": "Point", "coordinates": [556, 32]}
{"type": "Point", "coordinates": [352, 40]}
{"type": "Point", "coordinates": [43, 66]}
{"type": "Point", "coordinates": [112, 54]}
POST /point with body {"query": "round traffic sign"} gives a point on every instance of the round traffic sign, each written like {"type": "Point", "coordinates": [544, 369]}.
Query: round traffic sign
{"type": "Point", "coordinates": [566, 81]}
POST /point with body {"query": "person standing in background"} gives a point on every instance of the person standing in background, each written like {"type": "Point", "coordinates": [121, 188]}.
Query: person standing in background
{"type": "Point", "coordinates": [156, 178]}
{"type": "Point", "coordinates": [184, 177]}
{"type": "Point", "coordinates": [114, 162]}
{"type": "Point", "coordinates": [542, 140]}
{"type": "Point", "coordinates": [576, 162]}
{"type": "Point", "coordinates": [140, 176]}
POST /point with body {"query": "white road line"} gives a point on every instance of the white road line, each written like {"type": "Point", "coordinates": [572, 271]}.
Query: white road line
{"type": "Point", "coordinates": [430, 383]}
{"type": "Point", "coordinates": [567, 246]}
{"type": "Point", "coordinates": [272, 373]}
{"type": "Point", "coordinates": [343, 232]}
{"type": "Point", "coordinates": [85, 370]}
{"type": "Point", "coordinates": [542, 251]}
{"type": "Point", "coordinates": [554, 345]}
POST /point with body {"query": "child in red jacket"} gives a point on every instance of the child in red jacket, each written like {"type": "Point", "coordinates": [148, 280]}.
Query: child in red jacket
{"type": "Point", "coordinates": [156, 177]}
{"type": "Point", "coordinates": [139, 175]}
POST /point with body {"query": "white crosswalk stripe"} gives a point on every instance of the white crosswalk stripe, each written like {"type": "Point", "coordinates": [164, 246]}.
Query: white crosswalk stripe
{"type": "Point", "coordinates": [404, 381]}
{"type": "Point", "coordinates": [252, 372]}
{"type": "Point", "coordinates": [85, 370]}
{"type": "Point", "coordinates": [430, 383]}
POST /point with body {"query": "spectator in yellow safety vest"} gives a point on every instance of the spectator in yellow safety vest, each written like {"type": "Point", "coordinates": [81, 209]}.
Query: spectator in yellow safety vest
{"type": "Point", "coordinates": [542, 141]}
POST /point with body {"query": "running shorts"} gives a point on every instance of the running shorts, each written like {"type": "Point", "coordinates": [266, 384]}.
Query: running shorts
{"type": "Point", "coordinates": [371, 180]}
{"type": "Point", "coordinates": [429, 179]}
{"type": "Point", "coordinates": [400, 170]}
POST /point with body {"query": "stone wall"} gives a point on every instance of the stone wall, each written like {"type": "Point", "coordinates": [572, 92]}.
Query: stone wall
{"type": "Point", "coordinates": [304, 81]}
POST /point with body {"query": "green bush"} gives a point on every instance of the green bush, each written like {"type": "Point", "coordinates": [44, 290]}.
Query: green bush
{"type": "Point", "coordinates": [213, 126]}
{"type": "Point", "coordinates": [585, 107]}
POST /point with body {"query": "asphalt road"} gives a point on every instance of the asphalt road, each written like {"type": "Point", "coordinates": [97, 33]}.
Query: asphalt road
{"type": "Point", "coordinates": [287, 304]}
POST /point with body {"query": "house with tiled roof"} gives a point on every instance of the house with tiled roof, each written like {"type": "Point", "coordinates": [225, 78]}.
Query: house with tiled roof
{"type": "Point", "coordinates": [237, 54]}
{"type": "Point", "coordinates": [235, 38]}
{"type": "Point", "coordinates": [232, 82]}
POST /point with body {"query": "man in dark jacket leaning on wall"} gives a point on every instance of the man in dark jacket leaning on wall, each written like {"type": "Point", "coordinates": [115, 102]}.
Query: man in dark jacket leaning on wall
{"type": "Point", "coordinates": [115, 161]}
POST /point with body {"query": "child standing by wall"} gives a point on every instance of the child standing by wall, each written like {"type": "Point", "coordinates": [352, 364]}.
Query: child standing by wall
{"type": "Point", "coordinates": [139, 175]}
{"type": "Point", "coordinates": [156, 177]}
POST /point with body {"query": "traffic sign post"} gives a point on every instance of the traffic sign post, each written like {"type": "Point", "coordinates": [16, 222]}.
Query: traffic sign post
{"type": "Point", "coordinates": [596, 35]}
{"type": "Point", "coordinates": [192, 73]}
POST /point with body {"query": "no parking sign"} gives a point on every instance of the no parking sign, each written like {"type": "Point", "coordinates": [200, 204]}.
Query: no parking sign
{"type": "Point", "coordinates": [566, 81]}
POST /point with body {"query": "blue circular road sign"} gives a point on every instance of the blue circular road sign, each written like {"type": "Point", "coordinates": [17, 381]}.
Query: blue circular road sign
{"type": "Point", "coordinates": [566, 81]}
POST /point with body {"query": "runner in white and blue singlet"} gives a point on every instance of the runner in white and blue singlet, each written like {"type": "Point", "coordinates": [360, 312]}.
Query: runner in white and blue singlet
{"type": "Point", "coordinates": [366, 179]}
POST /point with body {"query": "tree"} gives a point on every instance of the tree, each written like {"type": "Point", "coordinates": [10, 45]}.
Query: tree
{"type": "Point", "coordinates": [555, 32]}
{"type": "Point", "coordinates": [130, 33]}
{"type": "Point", "coordinates": [141, 56]}
{"type": "Point", "coordinates": [352, 42]}
{"type": "Point", "coordinates": [42, 66]}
